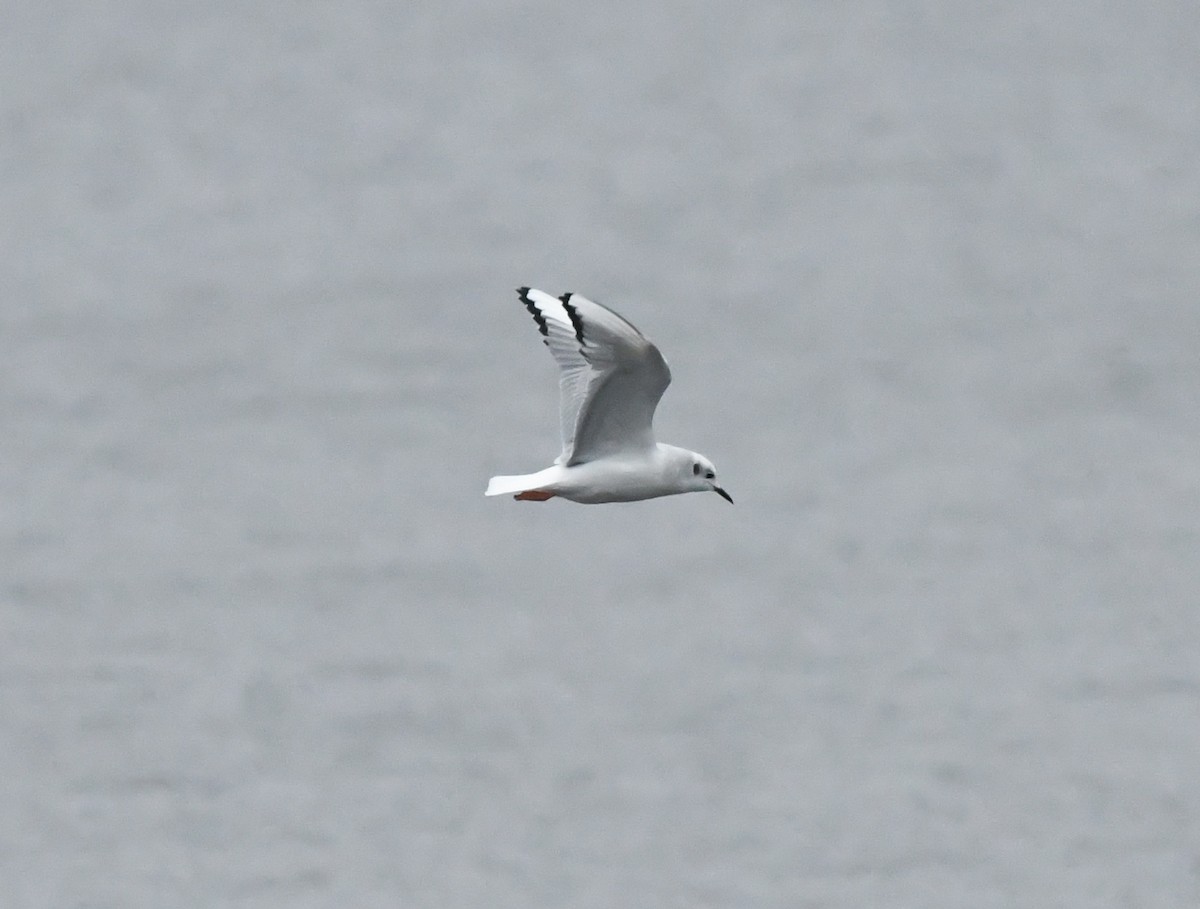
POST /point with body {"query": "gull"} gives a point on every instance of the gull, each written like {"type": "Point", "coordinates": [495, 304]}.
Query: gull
{"type": "Point", "coordinates": [611, 378]}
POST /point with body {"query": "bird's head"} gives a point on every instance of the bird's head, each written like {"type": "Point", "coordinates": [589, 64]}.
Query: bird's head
{"type": "Point", "coordinates": [703, 476]}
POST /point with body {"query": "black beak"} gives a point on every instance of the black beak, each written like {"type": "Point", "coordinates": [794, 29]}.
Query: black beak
{"type": "Point", "coordinates": [723, 494]}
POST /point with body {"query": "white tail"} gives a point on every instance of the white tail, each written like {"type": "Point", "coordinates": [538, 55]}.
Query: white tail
{"type": "Point", "coordinates": [499, 486]}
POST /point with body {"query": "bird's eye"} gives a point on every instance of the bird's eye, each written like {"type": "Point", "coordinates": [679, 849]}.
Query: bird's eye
{"type": "Point", "coordinates": [695, 470]}
{"type": "Point", "coordinates": [710, 476]}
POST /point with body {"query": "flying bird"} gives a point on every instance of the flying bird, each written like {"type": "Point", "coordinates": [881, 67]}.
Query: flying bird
{"type": "Point", "coordinates": [611, 378]}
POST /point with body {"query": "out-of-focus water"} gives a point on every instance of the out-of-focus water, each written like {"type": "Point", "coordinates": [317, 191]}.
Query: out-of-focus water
{"type": "Point", "coordinates": [927, 275]}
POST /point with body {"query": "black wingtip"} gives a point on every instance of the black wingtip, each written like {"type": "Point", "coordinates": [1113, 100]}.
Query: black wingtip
{"type": "Point", "coordinates": [534, 311]}
{"type": "Point", "coordinates": [573, 315]}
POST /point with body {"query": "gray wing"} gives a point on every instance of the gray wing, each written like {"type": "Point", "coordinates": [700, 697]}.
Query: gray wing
{"type": "Point", "coordinates": [611, 376]}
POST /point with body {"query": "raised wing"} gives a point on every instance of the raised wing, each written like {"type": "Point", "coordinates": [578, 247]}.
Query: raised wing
{"type": "Point", "coordinates": [611, 376]}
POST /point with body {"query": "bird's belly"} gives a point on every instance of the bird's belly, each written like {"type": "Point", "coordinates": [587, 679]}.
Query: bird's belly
{"type": "Point", "coordinates": [597, 482]}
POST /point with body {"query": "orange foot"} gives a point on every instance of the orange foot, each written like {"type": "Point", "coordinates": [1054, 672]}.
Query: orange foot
{"type": "Point", "coordinates": [533, 495]}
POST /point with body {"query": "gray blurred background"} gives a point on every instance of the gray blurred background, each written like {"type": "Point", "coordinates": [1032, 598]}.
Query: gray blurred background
{"type": "Point", "coordinates": [927, 276]}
